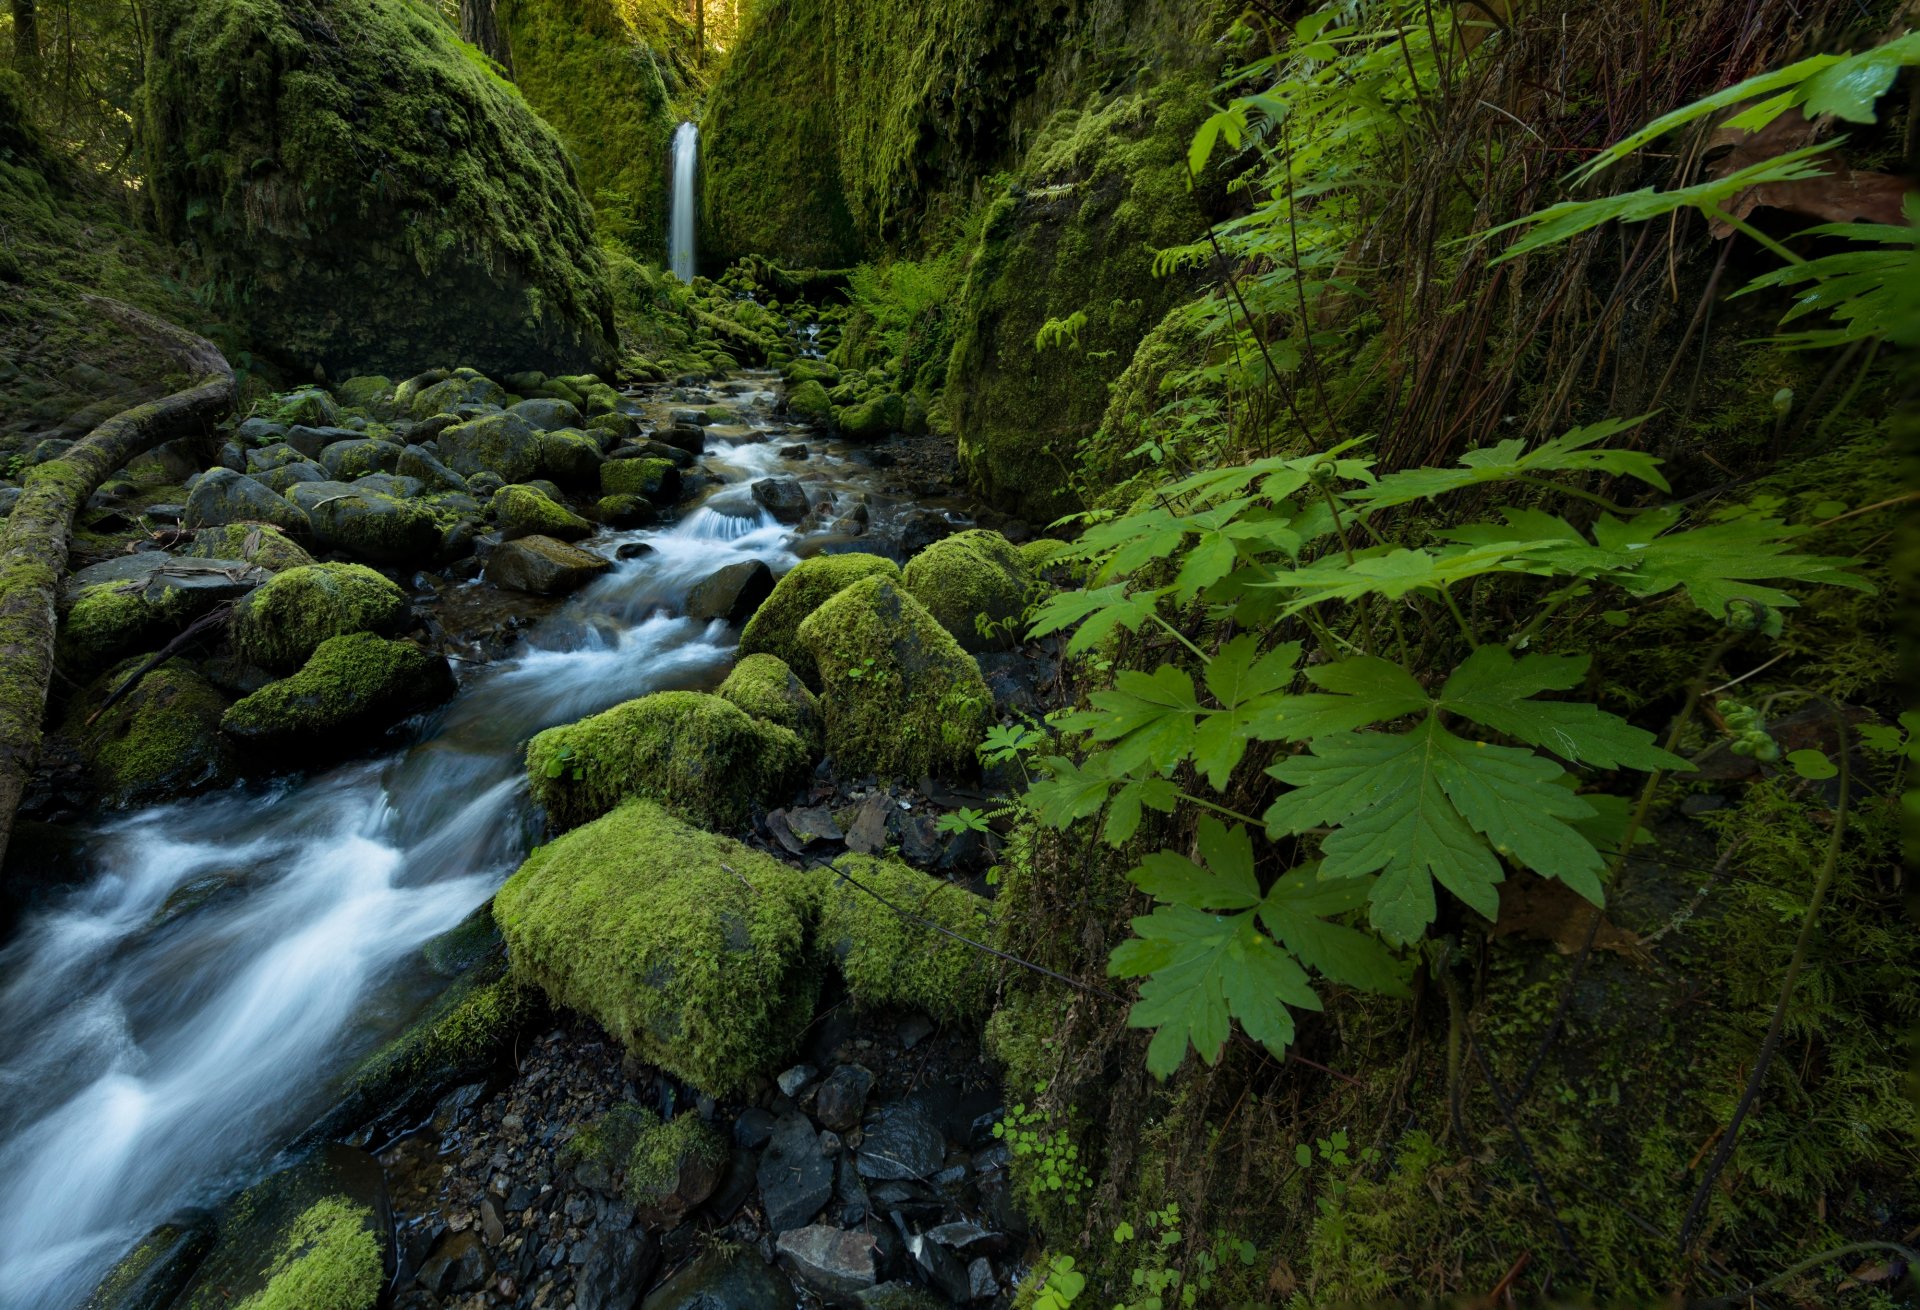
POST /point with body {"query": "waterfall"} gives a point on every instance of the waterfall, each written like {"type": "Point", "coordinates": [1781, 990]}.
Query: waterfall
{"type": "Point", "coordinates": [686, 152]}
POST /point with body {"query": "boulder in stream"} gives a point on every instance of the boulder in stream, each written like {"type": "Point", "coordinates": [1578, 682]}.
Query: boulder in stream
{"type": "Point", "coordinates": [353, 688]}
{"type": "Point", "coordinates": [523, 511]}
{"type": "Point", "coordinates": [543, 566]}
{"type": "Point", "coordinates": [732, 592]}
{"type": "Point", "coordinates": [784, 498]}
{"type": "Point", "coordinates": [969, 577]}
{"type": "Point", "coordinates": [775, 626]}
{"type": "Point", "coordinates": [281, 623]}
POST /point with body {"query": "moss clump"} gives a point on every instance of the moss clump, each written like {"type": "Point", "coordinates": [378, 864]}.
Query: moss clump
{"type": "Point", "coordinates": [774, 628]}
{"type": "Point", "coordinates": [872, 418]}
{"type": "Point", "coordinates": [766, 688]}
{"type": "Point", "coordinates": [255, 543]}
{"type": "Point", "coordinates": [372, 394]}
{"type": "Point", "coordinates": [662, 1168]}
{"type": "Point", "coordinates": [161, 740]}
{"type": "Point", "coordinates": [688, 947]}
{"type": "Point", "coordinates": [809, 402]}
{"type": "Point", "coordinates": [521, 511]}
{"type": "Point", "coordinates": [569, 456]}
{"type": "Point", "coordinates": [968, 578]}
{"type": "Point", "coordinates": [353, 685]}
{"type": "Point", "coordinates": [376, 196]}
{"type": "Point", "coordinates": [697, 754]}
{"type": "Point", "coordinates": [494, 443]}
{"type": "Point", "coordinates": [111, 620]}
{"type": "Point", "coordinates": [280, 624]}
{"type": "Point", "coordinates": [902, 699]}
{"type": "Point", "coordinates": [887, 960]}
{"type": "Point", "coordinates": [330, 1261]}
{"type": "Point", "coordinates": [656, 479]}
{"type": "Point", "coordinates": [470, 1026]}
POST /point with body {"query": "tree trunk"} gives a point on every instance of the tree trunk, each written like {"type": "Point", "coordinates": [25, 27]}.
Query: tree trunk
{"type": "Point", "coordinates": [26, 36]}
{"type": "Point", "coordinates": [480, 26]}
{"type": "Point", "coordinates": [33, 540]}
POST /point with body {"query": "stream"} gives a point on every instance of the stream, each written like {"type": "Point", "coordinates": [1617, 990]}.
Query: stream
{"type": "Point", "coordinates": [191, 1004]}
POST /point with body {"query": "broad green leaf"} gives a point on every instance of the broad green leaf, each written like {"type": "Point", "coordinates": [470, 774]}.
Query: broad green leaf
{"type": "Point", "coordinates": [1394, 573]}
{"type": "Point", "coordinates": [1123, 815]}
{"type": "Point", "coordinates": [1225, 882]}
{"type": "Point", "coordinates": [1240, 672]}
{"type": "Point", "coordinates": [1571, 452]}
{"type": "Point", "coordinates": [1717, 562]}
{"type": "Point", "coordinates": [1100, 612]}
{"type": "Point", "coordinates": [1295, 912]}
{"type": "Point", "coordinates": [1426, 806]}
{"type": "Point", "coordinates": [1812, 765]}
{"type": "Point", "coordinates": [1069, 791]}
{"type": "Point", "coordinates": [1493, 688]}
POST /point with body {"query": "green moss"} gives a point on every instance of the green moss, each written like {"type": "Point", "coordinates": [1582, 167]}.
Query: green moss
{"type": "Point", "coordinates": [655, 479]}
{"type": "Point", "coordinates": [766, 688]}
{"type": "Point", "coordinates": [698, 754]}
{"type": "Point", "coordinates": [1041, 552]}
{"type": "Point", "coordinates": [520, 510]}
{"type": "Point", "coordinates": [901, 698]}
{"type": "Point", "coordinates": [887, 960]}
{"type": "Point", "coordinates": [687, 947]}
{"type": "Point", "coordinates": [872, 418]}
{"type": "Point", "coordinates": [111, 620]}
{"type": "Point", "coordinates": [308, 406]}
{"type": "Point", "coordinates": [969, 577]}
{"type": "Point", "coordinates": [256, 543]}
{"type": "Point", "coordinates": [569, 456]}
{"type": "Point", "coordinates": [279, 624]}
{"type": "Point", "coordinates": [808, 401]}
{"type": "Point", "coordinates": [330, 1261]}
{"type": "Point", "coordinates": [494, 443]}
{"type": "Point", "coordinates": [774, 628]}
{"type": "Point", "coordinates": [352, 683]}
{"type": "Point", "coordinates": [469, 1026]}
{"type": "Point", "coordinates": [374, 198]}
{"type": "Point", "coordinates": [653, 1164]}
{"type": "Point", "coordinates": [372, 394]}
{"type": "Point", "coordinates": [160, 741]}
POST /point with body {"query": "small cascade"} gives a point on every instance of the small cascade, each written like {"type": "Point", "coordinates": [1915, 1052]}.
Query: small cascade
{"type": "Point", "coordinates": [686, 153]}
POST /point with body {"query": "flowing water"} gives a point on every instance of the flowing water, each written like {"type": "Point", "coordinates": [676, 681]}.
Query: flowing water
{"type": "Point", "coordinates": [182, 1014]}
{"type": "Point", "coordinates": [686, 153]}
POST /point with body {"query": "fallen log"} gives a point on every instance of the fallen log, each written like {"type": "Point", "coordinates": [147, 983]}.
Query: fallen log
{"type": "Point", "coordinates": [34, 539]}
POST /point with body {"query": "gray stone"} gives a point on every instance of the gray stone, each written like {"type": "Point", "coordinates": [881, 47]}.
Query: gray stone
{"type": "Point", "coordinates": [311, 441]}
{"type": "Point", "coordinates": [223, 496]}
{"type": "Point", "coordinates": [496, 443]}
{"type": "Point", "coordinates": [842, 1098]}
{"type": "Point", "coordinates": [797, 1079]}
{"type": "Point", "coordinates": [796, 1180]}
{"type": "Point", "coordinates": [613, 1268]}
{"type": "Point", "coordinates": [543, 566]}
{"type": "Point", "coordinates": [753, 1128]}
{"type": "Point", "coordinates": [458, 1264]}
{"type": "Point", "coordinates": [731, 593]}
{"type": "Point", "coordinates": [546, 415]}
{"type": "Point", "coordinates": [784, 498]}
{"type": "Point", "coordinates": [420, 463]}
{"type": "Point", "coordinates": [981, 1284]}
{"type": "Point", "coordinates": [832, 1261]}
{"type": "Point", "coordinates": [260, 432]}
{"type": "Point", "coordinates": [347, 460]}
{"type": "Point", "coordinates": [902, 1143]}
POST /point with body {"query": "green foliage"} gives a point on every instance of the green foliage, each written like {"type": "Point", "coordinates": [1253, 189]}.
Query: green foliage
{"type": "Point", "coordinates": [1048, 1161]}
{"type": "Point", "coordinates": [330, 1261]}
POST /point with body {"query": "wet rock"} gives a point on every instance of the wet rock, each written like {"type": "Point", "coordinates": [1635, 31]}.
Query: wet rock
{"type": "Point", "coordinates": [632, 550]}
{"type": "Point", "coordinates": [496, 443]}
{"type": "Point", "coordinates": [981, 1284]}
{"type": "Point", "coordinates": [546, 415]}
{"type": "Point", "coordinates": [796, 1180]}
{"type": "Point", "coordinates": [842, 1098]}
{"type": "Point", "coordinates": [422, 464]}
{"type": "Point", "coordinates": [731, 1278]}
{"type": "Point", "coordinates": [363, 521]}
{"type": "Point", "coordinates": [737, 1182]}
{"type": "Point", "coordinates": [352, 688]}
{"type": "Point", "coordinates": [944, 1270]}
{"type": "Point", "coordinates": [458, 1264]}
{"type": "Point", "coordinates": [832, 1261]}
{"type": "Point", "coordinates": [851, 1192]}
{"type": "Point", "coordinates": [903, 1143]}
{"type": "Point", "coordinates": [543, 566]}
{"type": "Point", "coordinates": [223, 496]}
{"type": "Point", "coordinates": [310, 441]}
{"type": "Point", "coordinates": [688, 418]}
{"type": "Point", "coordinates": [732, 593]}
{"type": "Point", "coordinates": [966, 1237]}
{"type": "Point", "coordinates": [260, 431]}
{"type": "Point", "coordinates": [613, 1268]}
{"type": "Point", "coordinates": [913, 1030]}
{"type": "Point", "coordinates": [920, 528]}
{"type": "Point", "coordinates": [753, 1128]}
{"type": "Point", "coordinates": [796, 451]}
{"type": "Point", "coordinates": [797, 1079]}
{"type": "Point", "coordinates": [899, 1296]}
{"type": "Point", "coordinates": [784, 498]}
{"type": "Point", "coordinates": [152, 1274]}
{"type": "Point", "coordinates": [685, 436]}
{"type": "Point", "coordinates": [347, 460]}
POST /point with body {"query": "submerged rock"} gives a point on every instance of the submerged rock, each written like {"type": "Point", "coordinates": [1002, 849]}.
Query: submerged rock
{"type": "Point", "coordinates": [688, 947]}
{"type": "Point", "coordinates": [699, 755]}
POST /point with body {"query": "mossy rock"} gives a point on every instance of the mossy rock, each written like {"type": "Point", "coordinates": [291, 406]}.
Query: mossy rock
{"type": "Point", "coordinates": [158, 742]}
{"type": "Point", "coordinates": [366, 519]}
{"type": "Point", "coordinates": [767, 689]}
{"type": "Point", "coordinates": [570, 457]}
{"type": "Point", "coordinates": [461, 389]}
{"type": "Point", "coordinates": [626, 511]}
{"type": "Point", "coordinates": [901, 698]}
{"type": "Point", "coordinates": [309, 407]}
{"type": "Point", "coordinates": [873, 418]}
{"type": "Point", "coordinates": [802, 371]}
{"type": "Point", "coordinates": [223, 496]}
{"type": "Point", "coordinates": [522, 511]}
{"type": "Point", "coordinates": [162, 1263]}
{"type": "Point", "coordinates": [494, 443]}
{"type": "Point", "coordinates": [775, 627]}
{"type": "Point", "coordinates": [970, 576]}
{"type": "Point", "coordinates": [353, 688]}
{"type": "Point", "coordinates": [656, 479]}
{"type": "Point", "coordinates": [887, 960]}
{"type": "Point", "coordinates": [111, 620]}
{"type": "Point", "coordinates": [1042, 553]}
{"type": "Point", "coordinates": [809, 402]}
{"type": "Point", "coordinates": [701, 756]}
{"type": "Point", "coordinates": [255, 543]}
{"type": "Point", "coordinates": [280, 624]}
{"type": "Point", "coordinates": [380, 198]}
{"type": "Point", "coordinates": [686, 946]}
{"type": "Point", "coordinates": [370, 393]}
{"type": "Point", "coordinates": [662, 1169]}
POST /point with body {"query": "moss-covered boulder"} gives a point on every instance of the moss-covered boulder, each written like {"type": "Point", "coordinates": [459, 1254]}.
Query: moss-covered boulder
{"type": "Point", "coordinates": [887, 960]}
{"type": "Point", "coordinates": [308, 407]}
{"type": "Point", "coordinates": [279, 625]}
{"type": "Point", "coordinates": [376, 197]}
{"type": "Point", "coordinates": [371, 394]}
{"type": "Point", "coordinates": [366, 519]}
{"type": "Point", "coordinates": [352, 688]}
{"type": "Point", "coordinates": [223, 496]}
{"type": "Point", "coordinates": [312, 1237]}
{"type": "Point", "coordinates": [808, 402]}
{"type": "Point", "coordinates": [688, 947]}
{"type": "Point", "coordinates": [522, 511]}
{"type": "Point", "coordinates": [901, 698]}
{"type": "Point", "coordinates": [1101, 190]}
{"type": "Point", "coordinates": [775, 627]}
{"type": "Point", "coordinates": [969, 577]}
{"type": "Point", "coordinates": [662, 1169]}
{"type": "Point", "coordinates": [656, 479]}
{"type": "Point", "coordinates": [254, 543]}
{"type": "Point", "coordinates": [625, 511]}
{"type": "Point", "coordinates": [543, 566]}
{"type": "Point", "coordinates": [766, 688]}
{"type": "Point", "coordinates": [699, 755]}
{"type": "Point", "coordinates": [346, 460]}
{"type": "Point", "coordinates": [158, 742]}
{"type": "Point", "coordinates": [873, 418]}
{"type": "Point", "coordinates": [570, 457]}
{"type": "Point", "coordinates": [493, 443]}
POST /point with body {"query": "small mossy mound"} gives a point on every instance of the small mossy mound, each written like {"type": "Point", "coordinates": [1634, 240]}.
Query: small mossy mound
{"type": "Point", "coordinates": [969, 577]}
{"type": "Point", "coordinates": [279, 625]}
{"type": "Point", "coordinates": [367, 191]}
{"type": "Point", "coordinates": [656, 479]}
{"type": "Point", "coordinates": [159, 741]}
{"type": "Point", "coordinates": [111, 620]}
{"type": "Point", "coordinates": [522, 511]}
{"type": "Point", "coordinates": [663, 1169]}
{"type": "Point", "coordinates": [688, 947]}
{"type": "Point", "coordinates": [872, 418]}
{"type": "Point", "coordinates": [330, 1260]}
{"type": "Point", "coordinates": [701, 756]}
{"type": "Point", "coordinates": [774, 628]}
{"type": "Point", "coordinates": [353, 687]}
{"type": "Point", "coordinates": [809, 402]}
{"type": "Point", "coordinates": [888, 960]}
{"type": "Point", "coordinates": [901, 698]}
{"type": "Point", "coordinates": [766, 688]}
{"type": "Point", "coordinates": [255, 543]}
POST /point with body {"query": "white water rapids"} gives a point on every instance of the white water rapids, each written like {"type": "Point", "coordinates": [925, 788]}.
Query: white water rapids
{"type": "Point", "coordinates": [685, 155]}
{"type": "Point", "coordinates": [155, 1057]}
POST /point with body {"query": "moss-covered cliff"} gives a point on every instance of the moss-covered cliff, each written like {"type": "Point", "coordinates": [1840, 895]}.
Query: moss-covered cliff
{"type": "Point", "coordinates": [367, 193]}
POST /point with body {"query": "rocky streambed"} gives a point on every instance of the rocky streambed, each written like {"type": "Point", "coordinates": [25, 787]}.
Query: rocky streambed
{"type": "Point", "coordinates": [270, 1011]}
